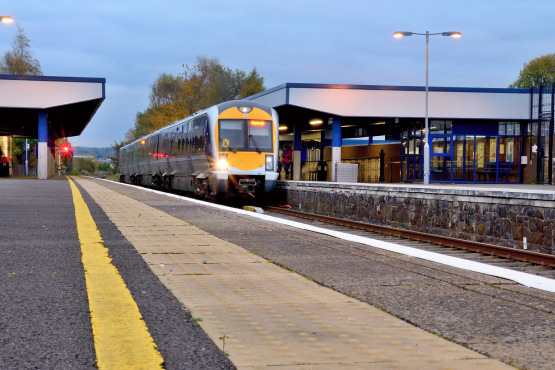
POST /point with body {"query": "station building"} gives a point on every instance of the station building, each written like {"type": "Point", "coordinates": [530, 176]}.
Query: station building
{"type": "Point", "coordinates": [47, 108]}
{"type": "Point", "coordinates": [477, 135]}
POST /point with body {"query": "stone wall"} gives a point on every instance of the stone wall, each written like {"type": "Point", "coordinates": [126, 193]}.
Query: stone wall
{"type": "Point", "coordinates": [494, 216]}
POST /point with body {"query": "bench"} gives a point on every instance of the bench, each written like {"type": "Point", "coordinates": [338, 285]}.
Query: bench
{"type": "Point", "coordinates": [490, 168]}
{"type": "Point", "coordinates": [436, 174]}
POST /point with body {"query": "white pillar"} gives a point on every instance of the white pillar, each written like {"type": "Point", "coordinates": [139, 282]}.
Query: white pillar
{"type": "Point", "coordinates": [297, 165]}
{"type": "Point", "coordinates": [43, 154]}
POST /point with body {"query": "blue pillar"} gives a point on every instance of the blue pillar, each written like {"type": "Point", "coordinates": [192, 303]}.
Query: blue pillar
{"type": "Point", "coordinates": [42, 154]}
{"type": "Point", "coordinates": [336, 146]}
{"type": "Point", "coordinates": [297, 138]}
{"type": "Point", "coordinates": [43, 126]}
{"type": "Point", "coordinates": [336, 128]}
{"type": "Point", "coordinates": [297, 143]}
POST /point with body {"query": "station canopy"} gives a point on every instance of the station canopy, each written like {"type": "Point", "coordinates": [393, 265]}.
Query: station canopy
{"type": "Point", "coordinates": [70, 103]}
{"type": "Point", "coordinates": [378, 107]}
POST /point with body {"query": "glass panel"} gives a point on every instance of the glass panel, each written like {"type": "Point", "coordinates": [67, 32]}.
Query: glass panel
{"type": "Point", "coordinates": [448, 127]}
{"type": "Point", "coordinates": [459, 158]}
{"type": "Point", "coordinates": [508, 159]}
{"type": "Point", "coordinates": [469, 158]}
{"type": "Point", "coordinates": [411, 146]}
{"type": "Point", "coordinates": [437, 127]}
{"type": "Point", "coordinates": [510, 128]}
{"type": "Point", "coordinates": [417, 144]}
{"type": "Point", "coordinates": [440, 169]}
{"type": "Point", "coordinates": [232, 134]}
{"type": "Point", "coordinates": [486, 158]}
{"type": "Point", "coordinates": [410, 170]}
{"type": "Point", "coordinates": [441, 145]}
{"type": "Point", "coordinates": [417, 168]}
{"type": "Point", "coordinates": [262, 133]}
{"type": "Point", "coordinates": [502, 128]}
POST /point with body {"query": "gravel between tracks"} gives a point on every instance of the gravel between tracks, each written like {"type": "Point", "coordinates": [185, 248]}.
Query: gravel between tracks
{"type": "Point", "coordinates": [493, 316]}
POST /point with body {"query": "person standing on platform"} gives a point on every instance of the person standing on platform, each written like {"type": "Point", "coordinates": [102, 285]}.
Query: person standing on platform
{"type": "Point", "coordinates": [279, 166]}
{"type": "Point", "coordinates": [287, 156]}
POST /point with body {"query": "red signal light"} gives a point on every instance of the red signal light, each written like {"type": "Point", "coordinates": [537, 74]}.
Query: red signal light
{"type": "Point", "coordinates": [66, 149]}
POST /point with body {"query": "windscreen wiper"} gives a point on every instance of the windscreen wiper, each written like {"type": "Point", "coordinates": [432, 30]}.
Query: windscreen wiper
{"type": "Point", "coordinates": [226, 144]}
{"type": "Point", "coordinates": [255, 144]}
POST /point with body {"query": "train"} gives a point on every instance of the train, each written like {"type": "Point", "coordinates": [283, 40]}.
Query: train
{"type": "Point", "coordinates": [229, 150]}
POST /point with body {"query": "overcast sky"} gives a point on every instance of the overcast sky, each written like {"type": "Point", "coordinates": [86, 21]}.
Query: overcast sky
{"type": "Point", "coordinates": [131, 42]}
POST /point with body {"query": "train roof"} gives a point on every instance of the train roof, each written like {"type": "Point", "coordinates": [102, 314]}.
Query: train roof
{"type": "Point", "coordinates": [221, 107]}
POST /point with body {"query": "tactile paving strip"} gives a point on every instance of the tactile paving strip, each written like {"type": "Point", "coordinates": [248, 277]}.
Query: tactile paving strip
{"type": "Point", "coordinates": [271, 316]}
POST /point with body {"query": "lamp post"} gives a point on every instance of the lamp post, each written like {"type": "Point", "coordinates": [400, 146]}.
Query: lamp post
{"type": "Point", "coordinates": [398, 35]}
{"type": "Point", "coordinates": [6, 19]}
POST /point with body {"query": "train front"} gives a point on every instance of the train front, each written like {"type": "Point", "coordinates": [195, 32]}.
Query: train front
{"type": "Point", "coordinates": [246, 140]}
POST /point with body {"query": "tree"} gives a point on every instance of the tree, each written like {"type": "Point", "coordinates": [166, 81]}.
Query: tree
{"type": "Point", "coordinates": [20, 60]}
{"type": "Point", "coordinates": [537, 71]}
{"type": "Point", "coordinates": [206, 83]}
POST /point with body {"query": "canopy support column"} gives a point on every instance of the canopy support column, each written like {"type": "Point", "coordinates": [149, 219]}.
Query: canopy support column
{"type": "Point", "coordinates": [336, 146]}
{"type": "Point", "coordinates": [42, 155]}
{"type": "Point", "coordinates": [297, 141]}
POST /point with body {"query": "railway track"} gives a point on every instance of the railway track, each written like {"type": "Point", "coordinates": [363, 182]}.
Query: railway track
{"type": "Point", "coordinates": [514, 259]}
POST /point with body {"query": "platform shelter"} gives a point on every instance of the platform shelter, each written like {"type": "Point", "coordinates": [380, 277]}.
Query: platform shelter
{"type": "Point", "coordinates": [490, 135]}
{"type": "Point", "coordinates": [47, 108]}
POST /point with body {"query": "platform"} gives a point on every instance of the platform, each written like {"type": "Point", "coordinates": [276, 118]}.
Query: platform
{"type": "Point", "coordinates": [225, 271]}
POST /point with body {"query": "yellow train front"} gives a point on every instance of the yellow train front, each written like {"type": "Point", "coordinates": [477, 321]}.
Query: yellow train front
{"type": "Point", "coordinates": [245, 142]}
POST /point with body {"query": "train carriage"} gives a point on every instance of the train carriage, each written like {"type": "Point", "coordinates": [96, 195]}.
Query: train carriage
{"type": "Point", "coordinates": [228, 150]}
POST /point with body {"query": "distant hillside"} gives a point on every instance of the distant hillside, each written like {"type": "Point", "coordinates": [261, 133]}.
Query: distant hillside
{"type": "Point", "coordinates": [95, 152]}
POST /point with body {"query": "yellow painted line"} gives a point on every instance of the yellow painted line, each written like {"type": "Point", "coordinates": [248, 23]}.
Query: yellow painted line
{"type": "Point", "coordinates": [121, 338]}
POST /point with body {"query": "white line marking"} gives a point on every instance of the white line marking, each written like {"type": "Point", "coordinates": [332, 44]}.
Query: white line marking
{"type": "Point", "coordinates": [526, 279]}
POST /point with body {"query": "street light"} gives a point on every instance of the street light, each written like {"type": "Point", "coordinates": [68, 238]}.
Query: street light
{"type": "Point", "coordinates": [398, 35]}
{"type": "Point", "coordinates": [6, 19]}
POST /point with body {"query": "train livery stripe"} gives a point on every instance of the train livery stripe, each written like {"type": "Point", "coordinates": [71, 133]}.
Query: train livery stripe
{"type": "Point", "coordinates": [121, 338]}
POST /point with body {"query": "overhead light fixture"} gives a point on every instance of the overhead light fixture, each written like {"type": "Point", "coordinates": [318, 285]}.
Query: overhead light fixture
{"type": "Point", "coordinates": [316, 121]}
{"type": "Point", "coordinates": [400, 34]}
{"type": "Point", "coordinates": [378, 123]}
{"type": "Point", "coordinates": [455, 35]}
{"type": "Point", "coordinates": [282, 128]}
{"type": "Point", "coordinates": [6, 19]}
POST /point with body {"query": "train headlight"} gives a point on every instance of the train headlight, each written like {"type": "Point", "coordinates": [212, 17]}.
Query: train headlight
{"type": "Point", "coordinates": [222, 164]}
{"type": "Point", "coordinates": [269, 163]}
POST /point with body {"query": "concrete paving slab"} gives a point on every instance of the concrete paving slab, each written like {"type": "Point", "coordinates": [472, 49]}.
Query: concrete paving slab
{"type": "Point", "coordinates": [274, 317]}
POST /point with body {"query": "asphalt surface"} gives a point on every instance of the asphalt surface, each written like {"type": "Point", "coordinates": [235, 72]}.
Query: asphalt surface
{"type": "Point", "coordinates": [44, 312]}
{"type": "Point", "coordinates": [493, 316]}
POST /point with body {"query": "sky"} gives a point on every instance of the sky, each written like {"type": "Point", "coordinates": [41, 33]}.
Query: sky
{"type": "Point", "coordinates": [130, 43]}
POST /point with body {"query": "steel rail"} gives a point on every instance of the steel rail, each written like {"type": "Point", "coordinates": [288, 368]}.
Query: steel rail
{"type": "Point", "coordinates": [546, 260]}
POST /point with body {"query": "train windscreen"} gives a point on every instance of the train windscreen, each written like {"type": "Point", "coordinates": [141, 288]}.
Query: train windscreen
{"type": "Point", "coordinates": [232, 134]}
{"type": "Point", "coordinates": [261, 132]}
{"type": "Point", "coordinates": [245, 135]}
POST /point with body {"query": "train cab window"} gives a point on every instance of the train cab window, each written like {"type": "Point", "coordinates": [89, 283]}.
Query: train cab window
{"type": "Point", "coordinates": [232, 134]}
{"type": "Point", "coordinates": [260, 133]}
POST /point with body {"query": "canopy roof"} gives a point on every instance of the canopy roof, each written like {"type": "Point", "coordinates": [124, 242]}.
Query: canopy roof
{"type": "Point", "coordinates": [70, 103]}
{"type": "Point", "coordinates": [381, 106]}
